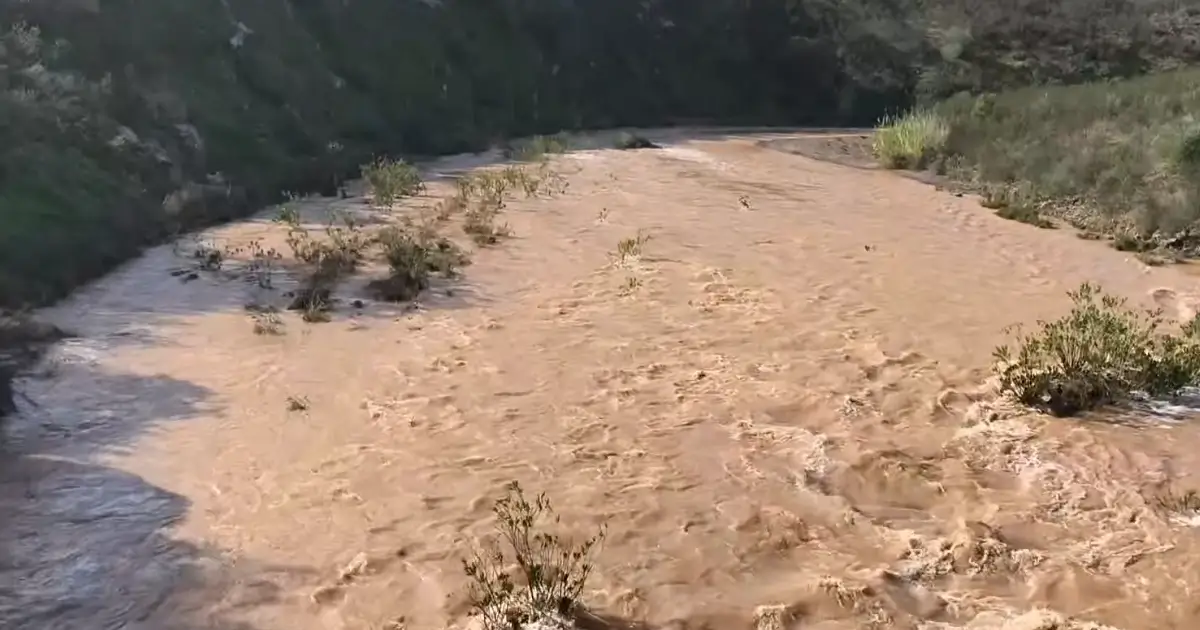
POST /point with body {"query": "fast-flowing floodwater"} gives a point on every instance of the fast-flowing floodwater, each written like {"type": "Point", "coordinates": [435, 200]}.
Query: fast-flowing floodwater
{"type": "Point", "coordinates": [782, 401]}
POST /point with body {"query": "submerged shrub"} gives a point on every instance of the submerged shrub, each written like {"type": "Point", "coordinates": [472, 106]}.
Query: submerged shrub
{"type": "Point", "coordinates": [552, 571]}
{"type": "Point", "coordinates": [910, 141]}
{"type": "Point", "coordinates": [480, 222]}
{"type": "Point", "coordinates": [1100, 353]}
{"type": "Point", "coordinates": [414, 255]}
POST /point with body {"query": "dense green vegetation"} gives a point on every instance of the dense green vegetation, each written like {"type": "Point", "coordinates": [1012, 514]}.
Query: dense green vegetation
{"type": "Point", "coordinates": [1100, 353]}
{"type": "Point", "coordinates": [1118, 157]}
{"type": "Point", "coordinates": [124, 121]}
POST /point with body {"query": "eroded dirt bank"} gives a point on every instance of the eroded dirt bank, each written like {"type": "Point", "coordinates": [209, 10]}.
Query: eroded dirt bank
{"type": "Point", "coordinates": [786, 405]}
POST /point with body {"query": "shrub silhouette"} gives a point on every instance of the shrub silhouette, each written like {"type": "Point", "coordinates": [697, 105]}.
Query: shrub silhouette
{"type": "Point", "coordinates": [552, 572]}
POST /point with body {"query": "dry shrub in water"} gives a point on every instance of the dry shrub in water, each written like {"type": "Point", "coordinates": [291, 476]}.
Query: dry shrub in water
{"type": "Point", "coordinates": [1099, 353]}
{"type": "Point", "coordinates": [631, 247]}
{"type": "Point", "coordinates": [499, 184]}
{"type": "Point", "coordinates": [479, 222]}
{"type": "Point", "coordinates": [1025, 214]}
{"type": "Point", "coordinates": [342, 250]}
{"type": "Point", "coordinates": [551, 572]}
{"type": "Point", "coordinates": [262, 264]}
{"type": "Point", "coordinates": [414, 255]}
{"type": "Point", "coordinates": [390, 180]}
{"type": "Point", "coordinates": [910, 141]}
{"type": "Point", "coordinates": [632, 141]}
{"type": "Point", "coordinates": [482, 195]}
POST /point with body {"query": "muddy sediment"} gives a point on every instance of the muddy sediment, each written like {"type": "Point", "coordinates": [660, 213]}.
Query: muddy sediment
{"type": "Point", "coordinates": [785, 415]}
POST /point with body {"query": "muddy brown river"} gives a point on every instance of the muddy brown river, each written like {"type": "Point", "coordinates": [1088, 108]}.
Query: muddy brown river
{"type": "Point", "coordinates": [783, 402]}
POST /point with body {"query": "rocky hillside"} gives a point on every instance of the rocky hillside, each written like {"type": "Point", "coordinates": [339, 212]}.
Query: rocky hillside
{"type": "Point", "coordinates": [124, 121]}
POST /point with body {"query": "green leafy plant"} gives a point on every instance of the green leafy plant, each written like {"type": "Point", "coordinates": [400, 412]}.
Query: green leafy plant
{"type": "Point", "coordinates": [553, 572]}
{"type": "Point", "coordinates": [391, 180]}
{"type": "Point", "coordinates": [1099, 353]}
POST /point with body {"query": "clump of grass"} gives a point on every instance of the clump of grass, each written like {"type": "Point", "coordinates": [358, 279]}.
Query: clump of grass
{"type": "Point", "coordinates": [910, 141]}
{"type": "Point", "coordinates": [390, 180]}
{"type": "Point", "coordinates": [552, 572]}
{"type": "Point", "coordinates": [628, 248]}
{"type": "Point", "coordinates": [1099, 353]}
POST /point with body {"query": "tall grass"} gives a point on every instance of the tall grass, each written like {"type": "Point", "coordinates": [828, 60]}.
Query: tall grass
{"type": "Point", "coordinates": [910, 141]}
